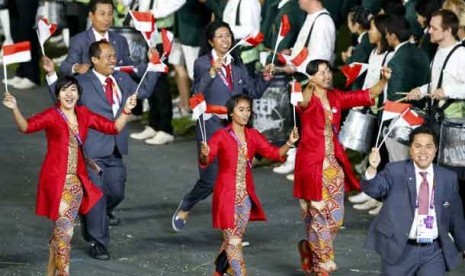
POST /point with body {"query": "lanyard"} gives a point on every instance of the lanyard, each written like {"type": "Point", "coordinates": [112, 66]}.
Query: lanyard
{"type": "Point", "coordinates": [227, 68]}
{"type": "Point", "coordinates": [76, 135]}
{"type": "Point", "coordinates": [431, 203]}
{"type": "Point", "coordinates": [239, 145]}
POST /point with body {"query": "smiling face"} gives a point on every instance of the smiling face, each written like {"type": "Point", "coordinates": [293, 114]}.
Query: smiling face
{"type": "Point", "coordinates": [221, 41]}
{"type": "Point", "coordinates": [241, 113]}
{"type": "Point", "coordinates": [323, 77]}
{"type": "Point", "coordinates": [422, 150]}
{"type": "Point", "coordinates": [102, 18]}
{"type": "Point", "coordinates": [68, 97]}
{"type": "Point", "coordinates": [106, 61]}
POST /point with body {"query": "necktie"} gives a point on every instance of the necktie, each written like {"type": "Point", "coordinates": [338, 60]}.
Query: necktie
{"type": "Point", "coordinates": [109, 90]}
{"type": "Point", "coordinates": [104, 40]}
{"type": "Point", "coordinates": [423, 195]}
{"type": "Point", "coordinates": [228, 76]}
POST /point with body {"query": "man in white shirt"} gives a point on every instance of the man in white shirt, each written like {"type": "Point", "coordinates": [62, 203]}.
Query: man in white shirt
{"type": "Point", "coordinates": [421, 207]}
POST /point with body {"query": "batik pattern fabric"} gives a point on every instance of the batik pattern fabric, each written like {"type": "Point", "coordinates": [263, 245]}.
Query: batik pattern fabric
{"type": "Point", "coordinates": [69, 206]}
{"type": "Point", "coordinates": [324, 218]}
{"type": "Point", "coordinates": [232, 237]}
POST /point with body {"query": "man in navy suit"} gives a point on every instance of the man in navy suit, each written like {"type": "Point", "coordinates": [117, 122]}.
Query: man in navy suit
{"type": "Point", "coordinates": [106, 150]}
{"type": "Point", "coordinates": [101, 17]}
{"type": "Point", "coordinates": [421, 208]}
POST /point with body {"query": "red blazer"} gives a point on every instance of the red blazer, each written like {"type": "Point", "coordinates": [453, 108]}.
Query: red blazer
{"type": "Point", "coordinates": [53, 172]}
{"type": "Point", "coordinates": [223, 145]}
{"type": "Point", "coordinates": [311, 150]}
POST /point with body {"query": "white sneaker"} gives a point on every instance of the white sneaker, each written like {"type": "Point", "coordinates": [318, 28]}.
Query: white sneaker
{"type": "Point", "coordinates": [24, 83]}
{"type": "Point", "coordinates": [147, 133]}
{"type": "Point", "coordinates": [288, 166]}
{"type": "Point", "coordinates": [359, 198]}
{"type": "Point", "coordinates": [369, 204]}
{"type": "Point", "coordinates": [12, 81]}
{"type": "Point", "coordinates": [290, 177]}
{"type": "Point", "coordinates": [375, 211]}
{"type": "Point", "coordinates": [160, 138]}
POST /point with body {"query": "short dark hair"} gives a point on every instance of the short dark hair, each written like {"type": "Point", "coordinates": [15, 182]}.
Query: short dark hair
{"type": "Point", "coordinates": [65, 82]}
{"type": "Point", "coordinates": [399, 26]}
{"type": "Point", "coordinates": [93, 4]}
{"type": "Point", "coordinates": [312, 66]}
{"type": "Point", "coordinates": [423, 129]}
{"type": "Point", "coordinates": [95, 50]}
{"type": "Point", "coordinates": [426, 8]}
{"type": "Point", "coordinates": [360, 15]}
{"type": "Point", "coordinates": [232, 103]}
{"type": "Point", "coordinates": [206, 48]}
{"type": "Point", "coordinates": [449, 20]}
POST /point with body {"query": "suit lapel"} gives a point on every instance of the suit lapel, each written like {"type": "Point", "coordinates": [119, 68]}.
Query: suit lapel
{"type": "Point", "coordinates": [438, 187]}
{"type": "Point", "coordinates": [410, 179]}
{"type": "Point", "coordinates": [97, 85]}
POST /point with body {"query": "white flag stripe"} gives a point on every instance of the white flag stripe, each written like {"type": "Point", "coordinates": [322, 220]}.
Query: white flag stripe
{"type": "Point", "coordinates": [23, 56]}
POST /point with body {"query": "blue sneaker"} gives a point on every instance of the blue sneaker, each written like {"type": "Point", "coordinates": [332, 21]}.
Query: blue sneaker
{"type": "Point", "coordinates": [178, 223]}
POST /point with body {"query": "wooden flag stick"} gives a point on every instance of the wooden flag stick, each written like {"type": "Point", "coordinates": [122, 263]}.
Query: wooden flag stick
{"type": "Point", "coordinates": [399, 100]}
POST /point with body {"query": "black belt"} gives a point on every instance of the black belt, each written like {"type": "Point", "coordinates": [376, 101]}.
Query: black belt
{"type": "Point", "coordinates": [415, 243]}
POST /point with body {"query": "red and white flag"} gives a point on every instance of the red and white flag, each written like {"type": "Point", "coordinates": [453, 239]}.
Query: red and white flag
{"type": "Point", "coordinates": [284, 29]}
{"type": "Point", "coordinates": [296, 93]}
{"type": "Point", "coordinates": [155, 65]}
{"type": "Point", "coordinates": [216, 110]}
{"type": "Point", "coordinates": [129, 69]}
{"type": "Point", "coordinates": [353, 71]}
{"type": "Point", "coordinates": [301, 60]}
{"type": "Point", "coordinates": [392, 110]}
{"type": "Point", "coordinates": [198, 105]}
{"type": "Point", "coordinates": [252, 40]}
{"type": "Point", "coordinates": [167, 40]}
{"type": "Point", "coordinates": [144, 22]}
{"type": "Point", "coordinates": [45, 30]}
{"type": "Point", "coordinates": [410, 119]}
{"type": "Point", "coordinates": [16, 53]}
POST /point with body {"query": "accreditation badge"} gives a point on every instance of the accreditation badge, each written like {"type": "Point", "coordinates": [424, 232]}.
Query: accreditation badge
{"type": "Point", "coordinates": [425, 228]}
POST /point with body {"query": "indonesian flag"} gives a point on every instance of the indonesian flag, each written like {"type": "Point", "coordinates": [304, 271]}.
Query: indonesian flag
{"type": "Point", "coordinates": [394, 109]}
{"type": "Point", "coordinates": [18, 52]}
{"type": "Point", "coordinates": [284, 28]}
{"type": "Point", "coordinates": [411, 118]}
{"type": "Point", "coordinates": [198, 105]}
{"type": "Point", "coordinates": [296, 93]}
{"type": "Point", "coordinates": [155, 65]}
{"type": "Point", "coordinates": [167, 40]}
{"type": "Point", "coordinates": [216, 110]}
{"type": "Point", "coordinates": [301, 60]}
{"type": "Point", "coordinates": [252, 40]}
{"type": "Point", "coordinates": [353, 71]}
{"type": "Point", "coordinates": [129, 69]}
{"type": "Point", "coordinates": [283, 59]}
{"type": "Point", "coordinates": [45, 30]}
{"type": "Point", "coordinates": [144, 22]}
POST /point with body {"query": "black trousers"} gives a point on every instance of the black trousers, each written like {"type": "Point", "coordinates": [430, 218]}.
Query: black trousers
{"type": "Point", "coordinates": [161, 107]}
{"type": "Point", "coordinates": [22, 21]}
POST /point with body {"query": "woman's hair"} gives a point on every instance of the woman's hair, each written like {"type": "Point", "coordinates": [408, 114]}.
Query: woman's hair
{"type": "Point", "coordinates": [360, 15]}
{"type": "Point", "coordinates": [380, 24]}
{"type": "Point", "coordinates": [426, 8]}
{"type": "Point", "coordinates": [312, 66]}
{"type": "Point", "coordinates": [205, 47]}
{"type": "Point", "coordinates": [232, 103]}
{"type": "Point", "coordinates": [65, 82]}
{"type": "Point", "coordinates": [457, 6]}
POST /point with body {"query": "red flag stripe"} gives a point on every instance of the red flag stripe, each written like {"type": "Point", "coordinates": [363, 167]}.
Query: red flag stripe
{"type": "Point", "coordinates": [16, 48]}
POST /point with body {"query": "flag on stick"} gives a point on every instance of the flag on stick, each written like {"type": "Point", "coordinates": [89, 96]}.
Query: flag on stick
{"type": "Point", "coordinates": [17, 52]}
{"type": "Point", "coordinates": [296, 97]}
{"type": "Point", "coordinates": [167, 40]}
{"type": "Point", "coordinates": [44, 31]}
{"type": "Point", "coordinates": [199, 106]}
{"type": "Point", "coordinates": [250, 40]}
{"type": "Point", "coordinates": [129, 69]}
{"type": "Point", "coordinates": [353, 71]}
{"type": "Point", "coordinates": [284, 29]}
{"type": "Point", "coordinates": [144, 22]}
{"type": "Point", "coordinates": [301, 60]}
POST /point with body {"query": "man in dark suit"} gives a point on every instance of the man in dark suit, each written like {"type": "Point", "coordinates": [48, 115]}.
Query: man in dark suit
{"type": "Point", "coordinates": [421, 208]}
{"type": "Point", "coordinates": [101, 17]}
{"type": "Point", "coordinates": [106, 150]}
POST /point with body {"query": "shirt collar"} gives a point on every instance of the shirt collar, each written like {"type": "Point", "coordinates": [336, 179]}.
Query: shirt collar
{"type": "Point", "coordinates": [282, 3]}
{"type": "Point", "coordinates": [429, 171]}
{"type": "Point", "coordinates": [360, 37]}
{"type": "Point", "coordinates": [227, 60]}
{"type": "Point", "coordinates": [400, 45]}
{"type": "Point", "coordinates": [99, 37]}
{"type": "Point", "coordinates": [101, 77]}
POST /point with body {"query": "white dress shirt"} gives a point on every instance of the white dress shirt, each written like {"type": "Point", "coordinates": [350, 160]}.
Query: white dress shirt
{"type": "Point", "coordinates": [249, 17]}
{"type": "Point", "coordinates": [117, 98]}
{"type": "Point", "coordinates": [431, 212]}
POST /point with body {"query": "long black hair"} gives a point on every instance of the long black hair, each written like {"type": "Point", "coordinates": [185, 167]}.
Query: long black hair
{"type": "Point", "coordinates": [205, 47]}
{"type": "Point", "coordinates": [65, 82]}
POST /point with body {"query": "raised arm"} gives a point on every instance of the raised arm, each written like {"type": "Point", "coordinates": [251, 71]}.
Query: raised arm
{"type": "Point", "coordinates": [10, 102]}
{"type": "Point", "coordinates": [377, 89]}
{"type": "Point", "coordinates": [122, 119]}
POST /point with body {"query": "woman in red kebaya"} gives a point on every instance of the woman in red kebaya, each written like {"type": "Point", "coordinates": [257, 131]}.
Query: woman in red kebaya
{"type": "Point", "coordinates": [64, 187]}
{"type": "Point", "coordinates": [234, 198]}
